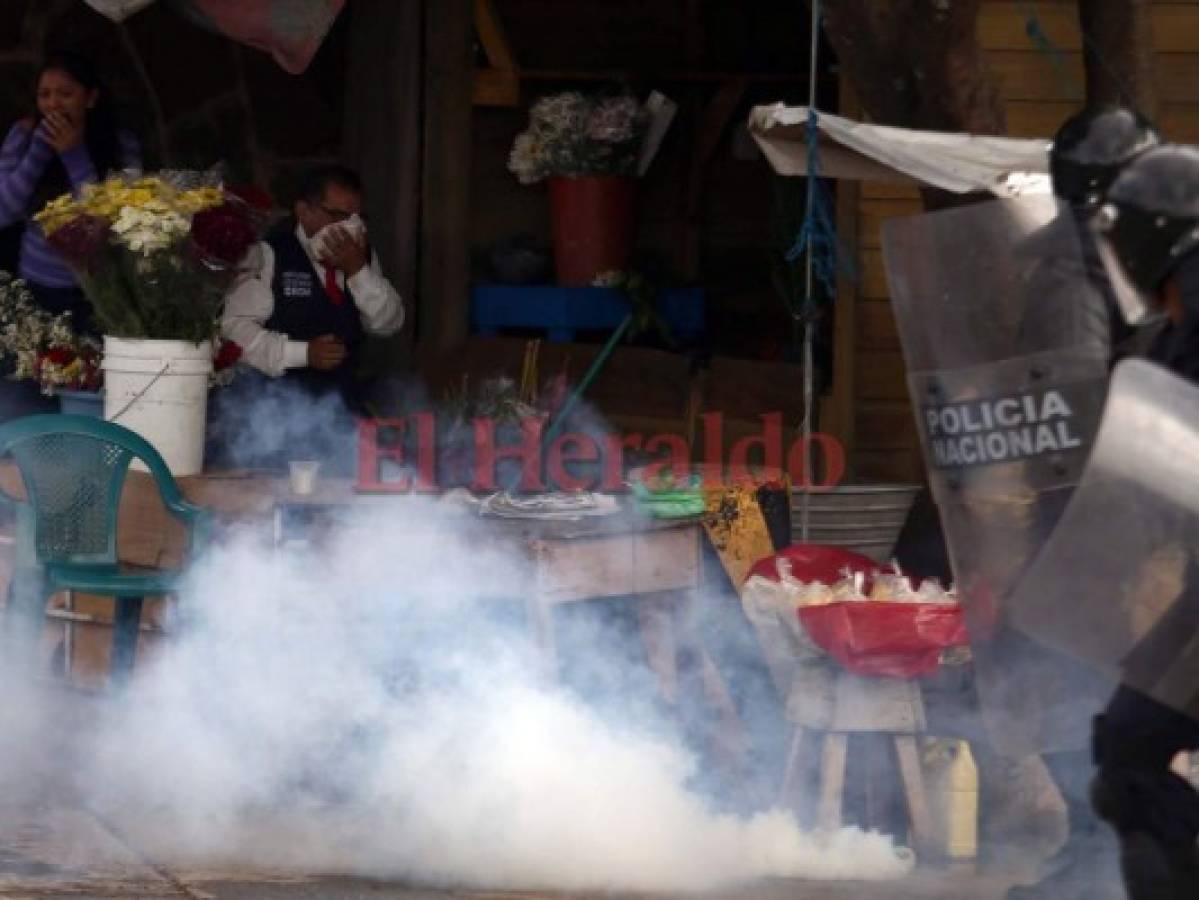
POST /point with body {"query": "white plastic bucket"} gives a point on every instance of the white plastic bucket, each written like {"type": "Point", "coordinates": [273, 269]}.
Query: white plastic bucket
{"type": "Point", "coordinates": [159, 389]}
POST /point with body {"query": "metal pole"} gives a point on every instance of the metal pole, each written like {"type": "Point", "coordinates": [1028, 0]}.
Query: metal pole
{"type": "Point", "coordinates": [809, 376]}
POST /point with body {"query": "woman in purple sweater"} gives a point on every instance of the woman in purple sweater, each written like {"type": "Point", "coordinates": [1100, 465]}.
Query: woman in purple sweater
{"type": "Point", "coordinates": [73, 140]}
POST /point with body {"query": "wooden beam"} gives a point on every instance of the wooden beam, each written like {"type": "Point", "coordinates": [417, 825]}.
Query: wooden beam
{"type": "Point", "coordinates": [686, 76]}
{"type": "Point", "coordinates": [710, 128]}
{"type": "Point", "coordinates": [499, 84]}
{"type": "Point", "coordinates": [493, 37]}
{"type": "Point", "coordinates": [496, 87]}
{"type": "Point", "coordinates": [381, 135]}
{"type": "Point", "coordinates": [695, 38]}
{"type": "Point", "coordinates": [445, 251]}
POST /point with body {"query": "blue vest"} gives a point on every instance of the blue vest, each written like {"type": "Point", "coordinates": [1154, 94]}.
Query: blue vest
{"type": "Point", "coordinates": [303, 310]}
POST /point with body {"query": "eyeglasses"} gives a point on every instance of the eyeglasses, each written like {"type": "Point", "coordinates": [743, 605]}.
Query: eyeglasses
{"type": "Point", "coordinates": [337, 215]}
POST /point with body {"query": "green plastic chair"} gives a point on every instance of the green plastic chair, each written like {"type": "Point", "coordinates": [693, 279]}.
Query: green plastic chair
{"type": "Point", "coordinates": [74, 469]}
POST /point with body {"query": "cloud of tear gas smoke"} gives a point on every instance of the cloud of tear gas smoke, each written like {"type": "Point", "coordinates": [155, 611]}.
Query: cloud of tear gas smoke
{"type": "Point", "coordinates": [257, 422]}
{"type": "Point", "coordinates": [374, 708]}
{"type": "Point", "coordinates": [372, 711]}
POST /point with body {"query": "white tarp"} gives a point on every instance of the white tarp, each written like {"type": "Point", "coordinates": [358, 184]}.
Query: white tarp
{"type": "Point", "coordinates": [290, 30]}
{"type": "Point", "coordinates": [961, 163]}
{"type": "Point", "coordinates": [118, 10]}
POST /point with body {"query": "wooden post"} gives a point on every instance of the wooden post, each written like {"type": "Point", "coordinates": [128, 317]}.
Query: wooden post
{"type": "Point", "coordinates": [1118, 54]}
{"type": "Point", "coordinates": [382, 140]}
{"type": "Point", "coordinates": [445, 244]}
{"type": "Point", "coordinates": [710, 125]}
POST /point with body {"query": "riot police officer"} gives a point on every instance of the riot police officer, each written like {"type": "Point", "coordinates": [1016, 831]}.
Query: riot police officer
{"type": "Point", "coordinates": [1071, 301]}
{"type": "Point", "coordinates": [1148, 238]}
{"type": "Point", "coordinates": [1088, 152]}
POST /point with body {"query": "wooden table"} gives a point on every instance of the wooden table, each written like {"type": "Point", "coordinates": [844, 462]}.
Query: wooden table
{"type": "Point", "coordinates": [657, 563]}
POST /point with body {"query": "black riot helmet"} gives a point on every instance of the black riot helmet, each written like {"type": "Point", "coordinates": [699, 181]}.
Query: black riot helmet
{"type": "Point", "coordinates": [1147, 225]}
{"type": "Point", "coordinates": [1091, 147]}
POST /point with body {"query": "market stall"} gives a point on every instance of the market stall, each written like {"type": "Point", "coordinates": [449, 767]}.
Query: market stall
{"type": "Point", "coordinates": [828, 629]}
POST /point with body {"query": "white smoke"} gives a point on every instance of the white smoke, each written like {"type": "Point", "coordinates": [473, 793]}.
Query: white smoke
{"type": "Point", "coordinates": [376, 710]}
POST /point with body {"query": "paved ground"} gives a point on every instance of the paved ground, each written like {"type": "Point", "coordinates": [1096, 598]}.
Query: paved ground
{"type": "Point", "coordinates": [51, 847]}
{"type": "Point", "coordinates": [922, 887]}
{"type": "Point", "coordinates": [46, 853]}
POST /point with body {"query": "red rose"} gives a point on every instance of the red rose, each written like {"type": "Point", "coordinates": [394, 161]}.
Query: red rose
{"type": "Point", "coordinates": [222, 234]}
{"type": "Point", "coordinates": [228, 354]}
{"type": "Point", "coordinates": [80, 241]}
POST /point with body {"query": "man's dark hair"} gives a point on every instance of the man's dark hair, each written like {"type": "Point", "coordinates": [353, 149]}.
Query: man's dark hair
{"type": "Point", "coordinates": [315, 182]}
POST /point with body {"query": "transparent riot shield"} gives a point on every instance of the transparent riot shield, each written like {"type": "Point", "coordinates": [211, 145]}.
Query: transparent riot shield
{"type": "Point", "coordinates": [1126, 548]}
{"type": "Point", "coordinates": [1007, 381]}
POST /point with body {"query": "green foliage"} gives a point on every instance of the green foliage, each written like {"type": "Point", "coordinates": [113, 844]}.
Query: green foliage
{"type": "Point", "coordinates": [170, 295]}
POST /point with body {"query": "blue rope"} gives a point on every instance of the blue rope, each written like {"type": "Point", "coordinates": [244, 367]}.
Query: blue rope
{"type": "Point", "coordinates": [817, 234]}
{"type": "Point", "coordinates": [1043, 44]}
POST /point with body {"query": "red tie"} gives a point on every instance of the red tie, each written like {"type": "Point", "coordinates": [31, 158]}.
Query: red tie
{"type": "Point", "coordinates": [336, 294]}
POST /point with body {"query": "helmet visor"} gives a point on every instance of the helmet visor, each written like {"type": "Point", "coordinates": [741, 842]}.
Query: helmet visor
{"type": "Point", "coordinates": [1137, 305]}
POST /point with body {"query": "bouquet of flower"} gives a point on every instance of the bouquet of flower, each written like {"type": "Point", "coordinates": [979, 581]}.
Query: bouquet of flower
{"type": "Point", "coordinates": [156, 255]}
{"type": "Point", "coordinates": [29, 336]}
{"type": "Point", "coordinates": [71, 362]}
{"type": "Point", "coordinates": [574, 134]}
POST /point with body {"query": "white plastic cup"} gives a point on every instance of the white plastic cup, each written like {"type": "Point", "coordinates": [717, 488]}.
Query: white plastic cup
{"type": "Point", "coordinates": [303, 475]}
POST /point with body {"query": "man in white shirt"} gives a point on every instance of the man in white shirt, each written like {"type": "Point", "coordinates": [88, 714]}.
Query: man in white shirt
{"type": "Point", "coordinates": [315, 293]}
{"type": "Point", "coordinates": [299, 317]}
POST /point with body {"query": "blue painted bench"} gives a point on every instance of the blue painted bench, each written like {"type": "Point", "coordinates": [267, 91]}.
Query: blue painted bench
{"type": "Point", "coordinates": [563, 312]}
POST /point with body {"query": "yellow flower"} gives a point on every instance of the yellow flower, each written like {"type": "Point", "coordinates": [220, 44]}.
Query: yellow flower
{"type": "Point", "coordinates": [116, 197]}
{"type": "Point", "coordinates": [57, 213]}
{"type": "Point", "coordinates": [198, 199]}
{"type": "Point", "coordinates": [138, 197]}
{"type": "Point", "coordinates": [149, 183]}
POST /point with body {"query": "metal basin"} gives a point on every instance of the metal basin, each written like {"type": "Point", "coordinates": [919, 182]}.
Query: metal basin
{"type": "Point", "coordinates": [866, 518]}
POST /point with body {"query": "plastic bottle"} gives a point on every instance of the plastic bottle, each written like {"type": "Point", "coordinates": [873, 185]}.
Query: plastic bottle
{"type": "Point", "coordinates": [961, 804]}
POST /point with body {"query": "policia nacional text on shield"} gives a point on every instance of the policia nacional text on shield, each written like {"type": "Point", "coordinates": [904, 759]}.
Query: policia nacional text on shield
{"type": "Point", "coordinates": [1008, 385]}
{"type": "Point", "coordinates": [1004, 429]}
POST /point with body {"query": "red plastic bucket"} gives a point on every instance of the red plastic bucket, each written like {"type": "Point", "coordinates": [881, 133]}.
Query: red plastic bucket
{"type": "Point", "coordinates": [594, 225]}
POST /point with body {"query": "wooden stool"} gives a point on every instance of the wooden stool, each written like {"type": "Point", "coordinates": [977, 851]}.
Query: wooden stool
{"type": "Point", "coordinates": [844, 704]}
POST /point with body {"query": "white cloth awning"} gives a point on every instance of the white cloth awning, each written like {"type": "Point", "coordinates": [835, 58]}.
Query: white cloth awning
{"type": "Point", "coordinates": [961, 163]}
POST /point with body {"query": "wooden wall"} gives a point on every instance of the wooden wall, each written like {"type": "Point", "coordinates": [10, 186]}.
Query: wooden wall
{"type": "Point", "coordinates": [1038, 97]}
{"type": "Point", "coordinates": [690, 50]}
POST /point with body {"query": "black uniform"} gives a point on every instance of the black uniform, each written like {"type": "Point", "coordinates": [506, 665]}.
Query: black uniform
{"type": "Point", "coordinates": [1155, 811]}
{"type": "Point", "coordinates": [1055, 308]}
